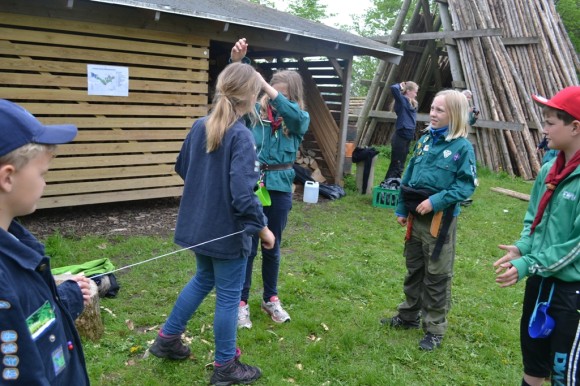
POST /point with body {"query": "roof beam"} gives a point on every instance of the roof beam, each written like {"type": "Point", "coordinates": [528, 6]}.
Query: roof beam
{"type": "Point", "coordinates": [466, 34]}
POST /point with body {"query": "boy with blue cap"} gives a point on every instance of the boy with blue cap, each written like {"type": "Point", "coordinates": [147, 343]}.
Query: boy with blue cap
{"type": "Point", "coordinates": [548, 251]}
{"type": "Point", "coordinates": [39, 343]}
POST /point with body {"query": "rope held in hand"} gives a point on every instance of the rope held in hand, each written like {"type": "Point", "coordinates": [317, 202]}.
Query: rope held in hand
{"type": "Point", "coordinates": [167, 254]}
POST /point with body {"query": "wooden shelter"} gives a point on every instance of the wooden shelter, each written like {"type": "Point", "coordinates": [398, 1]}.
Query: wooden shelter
{"type": "Point", "coordinates": [503, 51]}
{"type": "Point", "coordinates": [164, 58]}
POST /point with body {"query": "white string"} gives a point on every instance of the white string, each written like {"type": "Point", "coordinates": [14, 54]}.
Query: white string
{"type": "Point", "coordinates": [167, 254]}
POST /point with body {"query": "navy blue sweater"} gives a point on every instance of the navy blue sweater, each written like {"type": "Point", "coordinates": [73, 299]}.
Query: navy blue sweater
{"type": "Point", "coordinates": [37, 317]}
{"type": "Point", "coordinates": [218, 197]}
{"type": "Point", "coordinates": [406, 113]}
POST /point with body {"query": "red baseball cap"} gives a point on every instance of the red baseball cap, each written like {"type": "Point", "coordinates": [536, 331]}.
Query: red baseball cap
{"type": "Point", "coordinates": [567, 100]}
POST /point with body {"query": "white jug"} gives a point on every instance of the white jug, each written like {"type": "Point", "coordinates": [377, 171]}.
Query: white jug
{"type": "Point", "coordinates": [311, 192]}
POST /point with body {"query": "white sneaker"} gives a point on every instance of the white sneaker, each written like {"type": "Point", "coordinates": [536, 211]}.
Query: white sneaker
{"type": "Point", "coordinates": [244, 317]}
{"type": "Point", "coordinates": [275, 310]}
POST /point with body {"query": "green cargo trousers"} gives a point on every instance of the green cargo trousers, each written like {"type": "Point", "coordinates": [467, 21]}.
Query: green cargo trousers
{"type": "Point", "coordinates": [427, 285]}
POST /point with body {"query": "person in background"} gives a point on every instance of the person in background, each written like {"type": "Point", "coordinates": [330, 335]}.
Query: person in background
{"type": "Point", "coordinates": [440, 174]}
{"type": "Point", "coordinates": [549, 154]}
{"type": "Point", "coordinates": [40, 343]}
{"type": "Point", "coordinates": [473, 110]}
{"type": "Point", "coordinates": [472, 118]}
{"type": "Point", "coordinates": [219, 167]}
{"type": "Point", "coordinates": [278, 134]}
{"type": "Point", "coordinates": [548, 251]}
{"type": "Point", "coordinates": [405, 94]}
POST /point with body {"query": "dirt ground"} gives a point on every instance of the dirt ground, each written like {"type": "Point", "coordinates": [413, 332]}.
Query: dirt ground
{"type": "Point", "coordinates": [134, 218]}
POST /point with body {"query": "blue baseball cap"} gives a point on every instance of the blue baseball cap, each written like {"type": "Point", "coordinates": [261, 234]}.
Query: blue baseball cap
{"type": "Point", "coordinates": [18, 127]}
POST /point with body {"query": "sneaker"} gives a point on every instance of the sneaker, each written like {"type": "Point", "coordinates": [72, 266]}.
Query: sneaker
{"type": "Point", "coordinates": [244, 317]}
{"type": "Point", "coordinates": [275, 310]}
{"type": "Point", "coordinates": [234, 372]}
{"type": "Point", "coordinates": [430, 342]}
{"type": "Point", "coordinates": [397, 322]}
{"type": "Point", "coordinates": [169, 347]}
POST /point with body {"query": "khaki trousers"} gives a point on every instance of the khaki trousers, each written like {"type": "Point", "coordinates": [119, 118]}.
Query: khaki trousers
{"type": "Point", "coordinates": [427, 285]}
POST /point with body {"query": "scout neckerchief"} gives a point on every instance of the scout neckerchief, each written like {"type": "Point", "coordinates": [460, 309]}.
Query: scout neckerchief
{"type": "Point", "coordinates": [557, 173]}
{"type": "Point", "coordinates": [274, 122]}
{"type": "Point", "coordinates": [423, 145]}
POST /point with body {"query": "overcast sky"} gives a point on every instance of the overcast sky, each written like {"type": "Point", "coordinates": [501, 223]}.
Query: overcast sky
{"type": "Point", "coordinates": [344, 10]}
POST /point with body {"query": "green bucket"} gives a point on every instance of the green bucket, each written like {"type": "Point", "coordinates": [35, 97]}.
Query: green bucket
{"type": "Point", "coordinates": [263, 195]}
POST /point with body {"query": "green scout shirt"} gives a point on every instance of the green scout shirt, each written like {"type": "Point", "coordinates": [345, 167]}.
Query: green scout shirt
{"type": "Point", "coordinates": [445, 167]}
{"type": "Point", "coordinates": [554, 247]}
{"type": "Point", "coordinates": [278, 148]}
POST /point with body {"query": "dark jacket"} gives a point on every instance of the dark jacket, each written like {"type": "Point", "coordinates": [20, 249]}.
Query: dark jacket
{"type": "Point", "coordinates": [218, 196]}
{"type": "Point", "coordinates": [406, 114]}
{"type": "Point", "coordinates": [37, 317]}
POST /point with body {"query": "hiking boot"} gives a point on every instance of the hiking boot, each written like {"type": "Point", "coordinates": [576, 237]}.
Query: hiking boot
{"type": "Point", "coordinates": [244, 317]}
{"type": "Point", "coordinates": [430, 342]}
{"type": "Point", "coordinates": [275, 310]}
{"type": "Point", "coordinates": [169, 347]}
{"type": "Point", "coordinates": [397, 322]}
{"type": "Point", "coordinates": [234, 372]}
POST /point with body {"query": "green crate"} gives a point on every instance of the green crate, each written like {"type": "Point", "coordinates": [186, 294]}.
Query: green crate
{"type": "Point", "coordinates": [385, 198]}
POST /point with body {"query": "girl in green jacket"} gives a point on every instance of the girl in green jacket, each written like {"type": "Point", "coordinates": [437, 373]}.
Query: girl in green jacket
{"type": "Point", "coordinates": [440, 175]}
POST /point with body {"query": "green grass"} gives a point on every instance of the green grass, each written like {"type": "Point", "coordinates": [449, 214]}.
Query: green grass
{"type": "Point", "coordinates": [342, 270]}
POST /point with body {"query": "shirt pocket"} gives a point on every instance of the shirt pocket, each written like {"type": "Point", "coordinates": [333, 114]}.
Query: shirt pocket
{"type": "Point", "coordinates": [53, 351]}
{"type": "Point", "coordinates": [446, 167]}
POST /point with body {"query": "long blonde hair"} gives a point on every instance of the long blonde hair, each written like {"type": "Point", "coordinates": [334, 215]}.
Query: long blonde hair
{"type": "Point", "coordinates": [411, 86]}
{"type": "Point", "coordinates": [237, 89]}
{"type": "Point", "coordinates": [457, 108]}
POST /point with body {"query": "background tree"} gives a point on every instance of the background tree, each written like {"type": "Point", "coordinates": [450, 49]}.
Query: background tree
{"type": "Point", "coordinates": [569, 11]}
{"type": "Point", "coordinates": [267, 3]}
{"type": "Point", "coordinates": [309, 9]}
{"type": "Point", "coordinates": [377, 21]}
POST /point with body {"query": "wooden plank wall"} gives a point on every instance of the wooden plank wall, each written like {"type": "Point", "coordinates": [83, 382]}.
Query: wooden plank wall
{"type": "Point", "coordinates": [127, 146]}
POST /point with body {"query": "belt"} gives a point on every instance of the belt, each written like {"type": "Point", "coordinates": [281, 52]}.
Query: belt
{"type": "Point", "coordinates": [275, 167]}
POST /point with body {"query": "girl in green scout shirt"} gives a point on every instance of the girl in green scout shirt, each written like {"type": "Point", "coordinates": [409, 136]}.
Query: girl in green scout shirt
{"type": "Point", "coordinates": [283, 123]}
{"type": "Point", "coordinates": [440, 175]}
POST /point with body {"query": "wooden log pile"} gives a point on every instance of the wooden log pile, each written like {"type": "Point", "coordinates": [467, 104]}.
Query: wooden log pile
{"type": "Point", "coordinates": [532, 55]}
{"type": "Point", "coordinates": [503, 71]}
{"type": "Point", "coordinates": [308, 159]}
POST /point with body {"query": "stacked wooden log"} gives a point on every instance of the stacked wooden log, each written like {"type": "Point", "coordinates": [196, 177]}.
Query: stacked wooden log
{"type": "Point", "coordinates": [532, 55]}
{"type": "Point", "coordinates": [307, 159]}
{"type": "Point", "coordinates": [503, 72]}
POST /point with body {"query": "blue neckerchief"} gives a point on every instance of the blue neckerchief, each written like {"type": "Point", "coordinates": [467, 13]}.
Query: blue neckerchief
{"type": "Point", "coordinates": [437, 133]}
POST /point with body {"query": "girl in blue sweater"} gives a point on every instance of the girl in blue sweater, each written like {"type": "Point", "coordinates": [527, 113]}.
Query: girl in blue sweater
{"type": "Point", "coordinates": [405, 95]}
{"type": "Point", "coordinates": [219, 166]}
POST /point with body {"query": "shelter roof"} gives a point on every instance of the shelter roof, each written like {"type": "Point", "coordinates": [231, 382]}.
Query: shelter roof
{"type": "Point", "coordinates": [246, 13]}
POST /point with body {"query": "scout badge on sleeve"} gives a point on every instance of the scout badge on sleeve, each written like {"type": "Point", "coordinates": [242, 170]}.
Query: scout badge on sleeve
{"type": "Point", "coordinates": [541, 324]}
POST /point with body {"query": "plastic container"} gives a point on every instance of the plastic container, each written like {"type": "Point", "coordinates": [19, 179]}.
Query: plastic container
{"type": "Point", "coordinates": [311, 192]}
{"type": "Point", "coordinates": [385, 198]}
{"type": "Point", "coordinates": [541, 325]}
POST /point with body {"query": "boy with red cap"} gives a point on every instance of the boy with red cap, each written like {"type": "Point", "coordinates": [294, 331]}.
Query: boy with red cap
{"type": "Point", "coordinates": [548, 251]}
{"type": "Point", "coordinates": [39, 343]}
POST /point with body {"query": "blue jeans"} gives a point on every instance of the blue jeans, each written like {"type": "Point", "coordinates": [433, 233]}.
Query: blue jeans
{"type": "Point", "coordinates": [227, 276]}
{"type": "Point", "coordinates": [277, 215]}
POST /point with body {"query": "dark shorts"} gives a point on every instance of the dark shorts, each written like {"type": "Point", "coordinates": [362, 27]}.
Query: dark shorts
{"type": "Point", "coordinates": [558, 355]}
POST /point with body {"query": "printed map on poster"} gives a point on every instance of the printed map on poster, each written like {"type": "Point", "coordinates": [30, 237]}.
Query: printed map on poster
{"type": "Point", "coordinates": [108, 80]}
